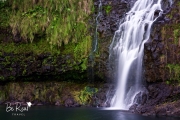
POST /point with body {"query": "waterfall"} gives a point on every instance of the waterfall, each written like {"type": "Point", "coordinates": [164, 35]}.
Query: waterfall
{"type": "Point", "coordinates": [94, 44]}
{"type": "Point", "coordinates": [128, 48]}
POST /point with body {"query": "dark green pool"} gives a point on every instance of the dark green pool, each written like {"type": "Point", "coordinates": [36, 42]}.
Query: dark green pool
{"type": "Point", "coordinates": [59, 113]}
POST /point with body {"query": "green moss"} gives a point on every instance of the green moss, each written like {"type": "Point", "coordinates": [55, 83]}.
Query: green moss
{"type": "Point", "coordinates": [176, 35]}
{"type": "Point", "coordinates": [10, 68]}
{"type": "Point", "coordinates": [174, 70]}
{"type": "Point", "coordinates": [163, 32]}
{"type": "Point", "coordinates": [80, 52]}
{"type": "Point", "coordinates": [107, 8]}
{"type": "Point", "coordinates": [37, 48]}
{"type": "Point", "coordinates": [167, 82]}
{"type": "Point", "coordinates": [84, 64]}
{"type": "Point", "coordinates": [7, 60]}
{"type": "Point", "coordinates": [61, 21]}
{"type": "Point", "coordinates": [5, 14]}
{"type": "Point", "coordinates": [2, 95]}
{"type": "Point", "coordinates": [85, 95]}
{"type": "Point", "coordinates": [24, 72]}
{"type": "Point", "coordinates": [2, 78]}
{"type": "Point", "coordinates": [178, 3]}
{"type": "Point", "coordinates": [171, 31]}
{"type": "Point", "coordinates": [11, 78]}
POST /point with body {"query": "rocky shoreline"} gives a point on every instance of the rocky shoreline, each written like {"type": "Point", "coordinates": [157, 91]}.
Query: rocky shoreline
{"type": "Point", "coordinates": [67, 94]}
{"type": "Point", "coordinates": [160, 99]}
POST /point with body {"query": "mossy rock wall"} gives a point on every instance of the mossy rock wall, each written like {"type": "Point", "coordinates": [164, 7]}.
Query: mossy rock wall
{"type": "Point", "coordinates": [29, 65]}
{"type": "Point", "coordinates": [162, 52]}
{"type": "Point", "coordinates": [28, 50]}
{"type": "Point", "coordinates": [112, 12]}
{"type": "Point", "coordinates": [67, 94]}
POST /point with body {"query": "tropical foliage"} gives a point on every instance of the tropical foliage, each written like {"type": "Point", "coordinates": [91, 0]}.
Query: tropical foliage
{"type": "Point", "coordinates": [60, 21]}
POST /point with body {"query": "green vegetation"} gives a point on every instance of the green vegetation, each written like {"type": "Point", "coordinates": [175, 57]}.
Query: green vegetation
{"type": "Point", "coordinates": [176, 35]}
{"type": "Point", "coordinates": [107, 8]}
{"type": "Point", "coordinates": [178, 3]}
{"type": "Point", "coordinates": [37, 48]}
{"type": "Point", "coordinates": [2, 95]}
{"type": "Point", "coordinates": [48, 26]}
{"type": "Point", "coordinates": [174, 70]}
{"type": "Point", "coordinates": [174, 29]}
{"type": "Point", "coordinates": [61, 21]}
{"type": "Point", "coordinates": [80, 50]}
{"type": "Point", "coordinates": [85, 95]}
{"type": "Point", "coordinates": [5, 14]}
{"type": "Point", "coordinates": [1, 78]}
{"type": "Point", "coordinates": [49, 92]}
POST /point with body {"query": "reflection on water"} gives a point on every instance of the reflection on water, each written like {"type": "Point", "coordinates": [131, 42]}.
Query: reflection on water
{"type": "Point", "coordinates": [58, 113]}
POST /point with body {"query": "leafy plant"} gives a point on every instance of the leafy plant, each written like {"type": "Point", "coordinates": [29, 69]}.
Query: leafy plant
{"type": "Point", "coordinates": [87, 93]}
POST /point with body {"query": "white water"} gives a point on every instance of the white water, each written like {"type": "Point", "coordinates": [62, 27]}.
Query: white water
{"type": "Point", "coordinates": [128, 46]}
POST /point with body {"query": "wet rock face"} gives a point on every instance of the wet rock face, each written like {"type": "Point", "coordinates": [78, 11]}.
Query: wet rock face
{"type": "Point", "coordinates": [161, 63]}
{"type": "Point", "coordinates": [103, 97]}
{"type": "Point", "coordinates": [162, 50]}
{"type": "Point", "coordinates": [112, 12]}
{"type": "Point", "coordinates": [162, 99]}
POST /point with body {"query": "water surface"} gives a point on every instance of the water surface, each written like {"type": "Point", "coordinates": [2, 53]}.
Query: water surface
{"type": "Point", "coordinates": [59, 113]}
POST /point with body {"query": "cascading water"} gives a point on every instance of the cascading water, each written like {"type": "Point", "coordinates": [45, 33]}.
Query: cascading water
{"type": "Point", "coordinates": [128, 47]}
{"type": "Point", "coordinates": [94, 44]}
